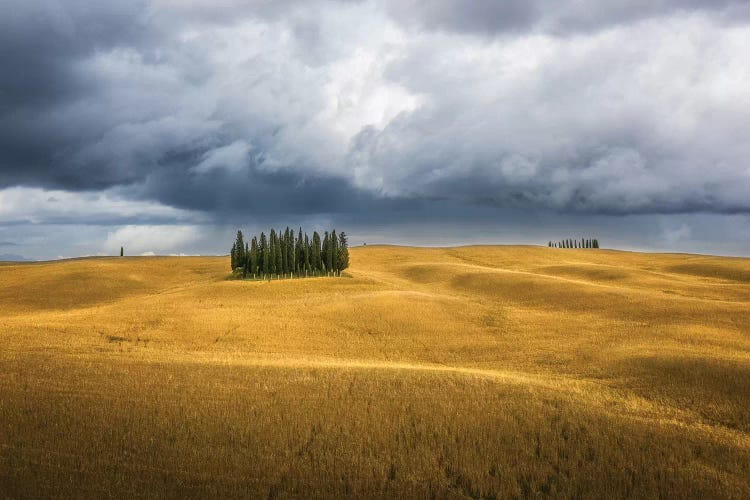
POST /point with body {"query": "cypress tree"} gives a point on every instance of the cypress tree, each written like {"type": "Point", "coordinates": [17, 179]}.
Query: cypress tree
{"type": "Point", "coordinates": [285, 251]}
{"type": "Point", "coordinates": [299, 252]}
{"type": "Point", "coordinates": [343, 256]}
{"type": "Point", "coordinates": [246, 262]}
{"type": "Point", "coordinates": [334, 253]}
{"type": "Point", "coordinates": [331, 257]}
{"type": "Point", "coordinates": [233, 255]}
{"type": "Point", "coordinates": [272, 237]}
{"type": "Point", "coordinates": [239, 250]}
{"type": "Point", "coordinates": [254, 256]}
{"type": "Point", "coordinates": [279, 255]}
{"type": "Point", "coordinates": [328, 261]}
{"type": "Point", "coordinates": [315, 252]}
{"type": "Point", "coordinates": [306, 254]}
{"type": "Point", "coordinates": [265, 254]}
{"type": "Point", "coordinates": [290, 253]}
{"type": "Point", "coordinates": [324, 253]}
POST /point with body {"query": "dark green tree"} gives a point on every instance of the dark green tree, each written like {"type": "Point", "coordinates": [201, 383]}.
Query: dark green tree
{"type": "Point", "coordinates": [328, 258]}
{"type": "Point", "coordinates": [239, 250]}
{"type": "Point", "coordinates": [299, 253]}
{"type": "Point", "coordinates": [279, 255]}
{"type": "Point", "coordinates": [343, 254]}
{"type": "Point", "coordinates": [315, 253]}
{"type": "Point", "coordinates": [272, 250]}
{"type": "Point", "coordinates": [290, 251]}
{"type": "Point", "coordinates": [324, 253]}
{"type": "Point", "coordinates": [288, 247]}
{"type": "Point", "coordinates": [334, 252]}
{"type": "Point", "coordinates": [253, 260]}
{"type": "Point", "coordinates": [306, 255]}
{"type": "Point", "coordinates": [265, 254]}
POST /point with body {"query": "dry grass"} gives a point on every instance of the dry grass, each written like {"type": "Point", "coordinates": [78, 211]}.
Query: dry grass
{"type": "Point", "coordinates": [449, 373]}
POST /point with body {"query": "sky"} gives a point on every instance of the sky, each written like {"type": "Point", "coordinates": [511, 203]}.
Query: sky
{"type": "Point", "coordinates": [164, 126]}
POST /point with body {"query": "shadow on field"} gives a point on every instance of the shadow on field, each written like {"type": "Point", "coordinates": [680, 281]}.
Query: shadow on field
{"type": "Point", "coordinates": [718, 391]}
{"type": "Point", "coordinates": [713, 271]}
{"type": "Point", "coordinates": [196, 430]}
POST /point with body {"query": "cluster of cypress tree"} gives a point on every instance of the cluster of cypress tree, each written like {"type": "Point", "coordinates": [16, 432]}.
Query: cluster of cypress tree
{"type": "Point", "coordinates": [571, 243]}
{"type": "Point", "coordinates": [283, 254]}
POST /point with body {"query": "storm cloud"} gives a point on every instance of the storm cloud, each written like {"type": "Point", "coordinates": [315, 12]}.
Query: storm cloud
{"type": "Point", "coordinates": [198, 113]}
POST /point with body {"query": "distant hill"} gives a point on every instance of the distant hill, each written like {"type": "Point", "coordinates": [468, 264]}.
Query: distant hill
{"type": "Point", "coordinates": [10, 257]}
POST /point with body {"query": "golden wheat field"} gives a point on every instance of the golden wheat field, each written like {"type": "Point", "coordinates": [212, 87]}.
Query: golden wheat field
{"type": "Point", "coordinates": [480, 372]}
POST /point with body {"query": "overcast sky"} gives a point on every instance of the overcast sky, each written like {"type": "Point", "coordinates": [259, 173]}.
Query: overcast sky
{"type": "Point", "coordinates": [164, 126]}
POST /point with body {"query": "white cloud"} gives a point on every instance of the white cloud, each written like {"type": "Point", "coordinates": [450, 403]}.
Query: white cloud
{"type": "Point", "coordinates": [39, 206]}
{"type": "Point", "coordinates": [151, 239]}
{"type": "Point", "coordinates": [232, 157]}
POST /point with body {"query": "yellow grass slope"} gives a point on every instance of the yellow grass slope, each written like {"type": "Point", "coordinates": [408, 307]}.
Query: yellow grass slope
{"type": "Point", "coordinates": [473, 372]}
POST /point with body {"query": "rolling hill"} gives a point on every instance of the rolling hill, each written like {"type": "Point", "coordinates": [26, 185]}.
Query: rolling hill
{"type": "Point", "coordinates": [480, 372]}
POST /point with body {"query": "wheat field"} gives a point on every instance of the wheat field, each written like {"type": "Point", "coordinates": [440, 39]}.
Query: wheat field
{"type": "Point", "coordinates": [479, 372]}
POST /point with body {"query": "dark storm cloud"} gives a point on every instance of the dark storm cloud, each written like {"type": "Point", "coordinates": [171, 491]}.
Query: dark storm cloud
{"type": "Point", "coordinates": [514, 16]}
{"type": "Point", "coordinates": [319, 107]}
{"type": "Point", "coordinates": [279, 193]}
{"type": "Point", "coordinates": [41, 44]}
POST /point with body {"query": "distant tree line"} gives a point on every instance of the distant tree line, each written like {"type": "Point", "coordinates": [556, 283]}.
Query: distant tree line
{"type": "Point", "coordinates": [284, 255]}
{"type": "Point", "coordinates": [571, 243]}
